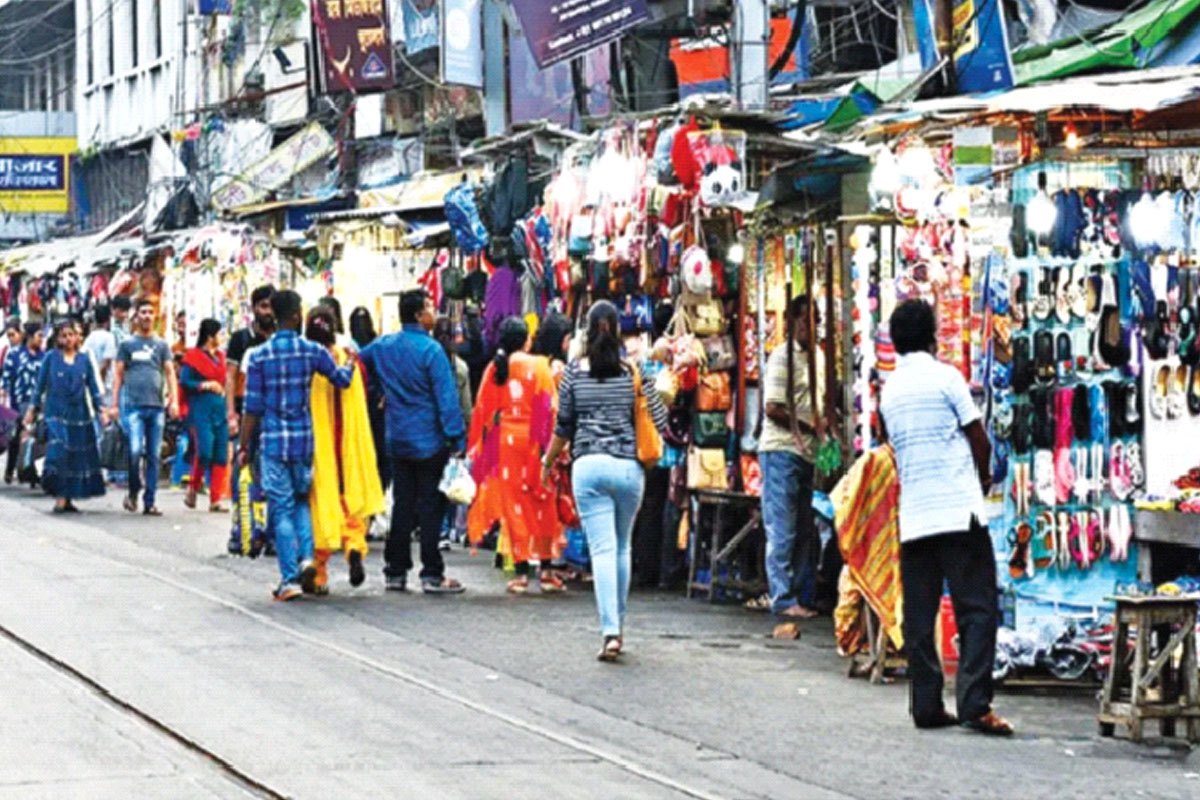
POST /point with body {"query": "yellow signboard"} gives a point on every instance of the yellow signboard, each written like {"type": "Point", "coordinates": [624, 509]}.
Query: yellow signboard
{"type": "Point", "coordinates": [35, 174]}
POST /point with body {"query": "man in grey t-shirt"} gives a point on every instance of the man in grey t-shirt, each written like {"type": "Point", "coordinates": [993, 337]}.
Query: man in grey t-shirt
{"type": "Point", "coordinates": [143, 384]}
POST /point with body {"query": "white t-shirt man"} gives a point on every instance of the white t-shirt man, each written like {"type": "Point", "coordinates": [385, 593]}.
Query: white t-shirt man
{"type": "Point", "coordinates": [925, 406]}
{"type": "Point", "coordinates": [101, 344]}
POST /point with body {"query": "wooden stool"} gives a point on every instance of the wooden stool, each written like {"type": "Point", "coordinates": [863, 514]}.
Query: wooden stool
{"type": "Point", "coordinates": [1150, 685]}
{"type": "Point", "coordinates": [721, 546]}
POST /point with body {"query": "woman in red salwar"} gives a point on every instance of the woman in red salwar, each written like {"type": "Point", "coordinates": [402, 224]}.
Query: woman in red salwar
{"type": "Point", "coordinates": [511, 427]}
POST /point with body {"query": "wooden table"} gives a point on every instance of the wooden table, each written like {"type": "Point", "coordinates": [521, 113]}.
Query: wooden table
{"type": "Point", "coordinates": [721, 545]}
{"type": "Point", "coordinates": [1149, 684]}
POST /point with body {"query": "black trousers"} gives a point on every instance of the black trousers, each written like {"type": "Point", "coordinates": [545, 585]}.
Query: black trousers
{"type": "Point", "coordinates": [965, 561]}
{"type": "Point", "coordinates": [649, 533]}
{"type": "Point", "coordinates": [14, 452]}
{"type": "Point", "coordinates": [417, 506]}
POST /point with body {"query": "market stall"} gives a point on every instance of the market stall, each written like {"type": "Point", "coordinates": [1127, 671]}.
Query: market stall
{"type": "Point", "coordinates": [1059, 263]}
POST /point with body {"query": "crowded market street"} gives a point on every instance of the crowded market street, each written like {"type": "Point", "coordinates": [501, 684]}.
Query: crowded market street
{"type": "Point", "coordinates": [142, 664]}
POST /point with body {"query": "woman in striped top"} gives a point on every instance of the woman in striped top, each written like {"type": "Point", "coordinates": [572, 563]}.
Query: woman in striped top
{"type": "Point", "coordinates": [595, 416]}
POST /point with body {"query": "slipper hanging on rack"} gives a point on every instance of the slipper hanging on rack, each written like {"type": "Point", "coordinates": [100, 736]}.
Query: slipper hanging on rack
{"type": "Point", "coordinates": [1162, 388]}
{"type": "Point", "coordinates": [1177, 393]}
{"type": "Point", "coordinates": [1043, 476]}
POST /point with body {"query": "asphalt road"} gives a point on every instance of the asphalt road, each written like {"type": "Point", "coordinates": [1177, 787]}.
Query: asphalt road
{"type": "Point", "coordinates": [142, 662]}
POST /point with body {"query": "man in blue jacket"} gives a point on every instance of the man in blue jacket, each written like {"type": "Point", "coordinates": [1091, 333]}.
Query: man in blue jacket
{"type": "Point", "coordinates": [424, 425]}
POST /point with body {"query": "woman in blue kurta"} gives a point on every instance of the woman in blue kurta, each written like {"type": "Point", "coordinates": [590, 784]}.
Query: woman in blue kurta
{"type": "Point", "coordinates": [69, 396]}
{"type": "Point", "coordinates": [203, 380]}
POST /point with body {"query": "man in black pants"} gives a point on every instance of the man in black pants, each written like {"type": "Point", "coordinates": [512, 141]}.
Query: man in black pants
{"type": "Point", "coordinates": [424, 425]}
{"type": "Point", "coordinates": [942, 458]}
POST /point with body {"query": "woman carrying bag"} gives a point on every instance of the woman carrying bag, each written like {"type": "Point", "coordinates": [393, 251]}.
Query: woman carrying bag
{"type": "Point", "coordinates": [613, 424]}
{"type": "Point", "coordinates": [68, 394]}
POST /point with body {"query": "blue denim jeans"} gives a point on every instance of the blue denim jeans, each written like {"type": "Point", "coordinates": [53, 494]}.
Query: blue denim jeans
{"type": "Point", "coordinates": [286, 484]}
{"type": "Point", "coordinates": [788, 519]}
{"type": "Point", "coordinates": [144, 424]}
{"type": "Point", "coordinates": [608, 492]}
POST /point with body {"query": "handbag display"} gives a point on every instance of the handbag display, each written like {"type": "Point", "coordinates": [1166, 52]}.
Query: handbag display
{"type": "Point", "coordinates": [649, 442]}
{"type": "Point", "coordinates": [666, 383]}
{"type": "Point", "coordinates": [752, 479]}
{"type": "Point", "coordinates": [715, 392]}
{"type": "Point", "coordinates": [710, 429]}
{"type": "Point", "coordinates": [709, 319]}
{"type": "Point", "coordinates": [720, 352]}
{"type": "Point", "coordinates": [706, 469]}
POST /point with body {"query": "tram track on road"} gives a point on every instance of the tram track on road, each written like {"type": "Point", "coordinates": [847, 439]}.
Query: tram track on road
{"type": "Point", "coordinates": [260, 788]}
{"type": "Point", "coordinates": [251, 786]}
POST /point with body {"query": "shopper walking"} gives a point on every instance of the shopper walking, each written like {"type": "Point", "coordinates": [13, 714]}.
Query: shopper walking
{"type": "Point", "coordinates": [362, 331]}
{"type": "Point", "coordinates": [68, 396]}
{"type": "Point", "coordinates": [261, 327]}
{"type": "Point", "coordinates": [424, 425]}
{"type": "Point", "coordinates": [943, 458]}
{"type": "Point", "coordinates": [145, 387]}
{"type": "Point", "coordinates": [202, 379]}
{"type": "Point", "coordinates": [787, 466]}
{"type": "Point", "coordinates": [346, 490]}
{"type": "Point", "coordinates": [278, 386]}
{"type": "Point", "coordinates": [101, 345]}
{"type": "Point", "coordinates": [511, 429]}
{"type": "Point", "coordinates": [21, 367]}
{"type": "Point", "coordinates": [595, 416]}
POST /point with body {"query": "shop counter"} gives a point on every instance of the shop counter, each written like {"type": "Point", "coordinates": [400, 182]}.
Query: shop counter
{"type": "Point", "coordinates": [1163, 528]}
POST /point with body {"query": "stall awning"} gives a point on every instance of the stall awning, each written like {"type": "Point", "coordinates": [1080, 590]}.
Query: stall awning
{"type": "Point", "coordinates": [1127, 43]}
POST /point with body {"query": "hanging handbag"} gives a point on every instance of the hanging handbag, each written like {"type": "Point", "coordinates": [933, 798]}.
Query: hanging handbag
{"type": "Point", "coordinates": [706, 469]}
{"type": "Point", "coordinates": [649, 441]}
{"type": "Point", "coordinates": [564, 500]}
{"type": "Point", "coordinates": [710, 429]}
{"type": "Point", "coordinates": [752, 480]}
{"type": "Point", "coordinates": [709, 320]}
{"type": "Point", "coordinates": [720, 352]}
{"type": "Point", "coordinates": [666, 383]}
{"type": "Point", "coordinates": [714, 393]}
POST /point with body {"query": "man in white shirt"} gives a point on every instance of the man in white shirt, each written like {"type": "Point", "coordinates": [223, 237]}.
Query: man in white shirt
{"type": "Point", "coordinates": [942, 458]}
{"type": "Point", "coordinates": [101, 344]}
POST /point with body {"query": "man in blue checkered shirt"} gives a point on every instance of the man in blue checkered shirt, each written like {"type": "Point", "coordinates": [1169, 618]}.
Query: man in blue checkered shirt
{"type": "Point", "coordinates": [278, 383]}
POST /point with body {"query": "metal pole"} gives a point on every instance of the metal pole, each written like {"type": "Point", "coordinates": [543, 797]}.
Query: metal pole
{"type": "Point", "coordinates": [750, 64]}
{"type": "Point", "coordinates": [495, 73]}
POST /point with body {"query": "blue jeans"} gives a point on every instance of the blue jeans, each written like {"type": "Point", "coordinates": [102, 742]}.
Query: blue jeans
{"type": "Point", "coordinates": [608, 491]}
{"type": "Point", "coordinates": [788, 519]}
{"type": "Point", "coordinates": [286, 484]}
{"type": "Point", "coordinates": [144, 424]}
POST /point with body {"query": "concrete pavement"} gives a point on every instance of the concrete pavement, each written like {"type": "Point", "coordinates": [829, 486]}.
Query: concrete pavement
{"type": "Point", "coordinates": [484, 695]}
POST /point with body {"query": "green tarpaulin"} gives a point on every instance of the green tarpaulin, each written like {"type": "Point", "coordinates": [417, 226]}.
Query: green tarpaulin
{"type": "Point", "coordinates": [1120, 45]}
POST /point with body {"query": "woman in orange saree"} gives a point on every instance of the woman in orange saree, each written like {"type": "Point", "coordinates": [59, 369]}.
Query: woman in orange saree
{"type": "Point", "coordinates": [511, 428]}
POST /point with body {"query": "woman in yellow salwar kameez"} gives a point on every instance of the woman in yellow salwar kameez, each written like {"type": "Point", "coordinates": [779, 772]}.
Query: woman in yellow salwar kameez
{"type": "Point", "coordinates": [511, 428]}
{"type": "Point", "coordinates": [346, 490]}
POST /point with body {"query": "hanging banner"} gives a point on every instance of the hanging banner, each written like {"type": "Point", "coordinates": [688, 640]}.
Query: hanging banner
{"type": "Point", "coordinates": [356, 46]}
{"type": "Point", "coordinates": [560, 29]}
{"type": "Point", "coordinates": [420, 25]}
{"type": "Point", "coordinates": [981, 58]}
{"type": "Point", "coordinates": [462, 42]}
{"type": "Point", "coordinates": [298, 153]}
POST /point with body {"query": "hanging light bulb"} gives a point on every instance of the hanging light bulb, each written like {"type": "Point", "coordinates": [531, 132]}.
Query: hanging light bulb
{"type": "Point", "coordinates": [1072, 138]}
{"type": "Point", "coordinates": [737, 253]}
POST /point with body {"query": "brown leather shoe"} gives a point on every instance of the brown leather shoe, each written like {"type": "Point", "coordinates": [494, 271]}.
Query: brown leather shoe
{"type": "Point", "coordinates": [992, 724]}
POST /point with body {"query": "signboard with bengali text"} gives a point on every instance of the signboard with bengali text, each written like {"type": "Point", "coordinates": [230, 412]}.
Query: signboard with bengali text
{"type": "Point", "coordinates": [355, 45]}
{"type": "Point", "coordinates": [35, 174]}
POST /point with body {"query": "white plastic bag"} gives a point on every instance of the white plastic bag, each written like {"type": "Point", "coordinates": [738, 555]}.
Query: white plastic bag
{"type": "Point", "coordinates": [457, 483]}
